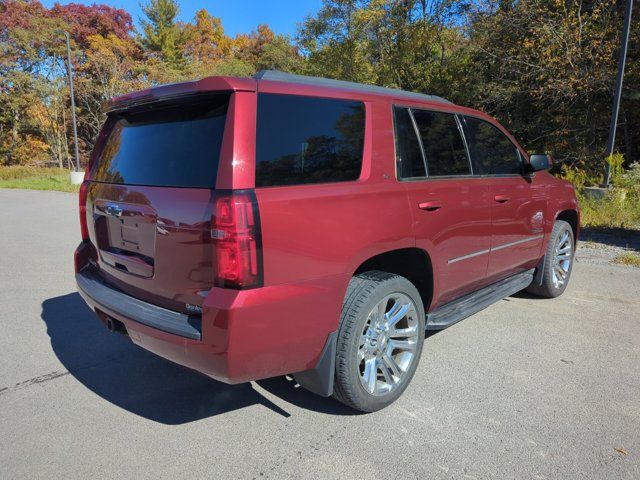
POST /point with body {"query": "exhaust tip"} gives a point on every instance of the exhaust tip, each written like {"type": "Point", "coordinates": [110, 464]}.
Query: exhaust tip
{"type": "Point", "coordinates": [115, 326]}
{"type": "Point", "coordinates": [111, 324]}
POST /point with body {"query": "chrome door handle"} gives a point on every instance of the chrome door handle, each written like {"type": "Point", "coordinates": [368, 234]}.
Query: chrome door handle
{"type": "Point", "coordinates": [430, 206]}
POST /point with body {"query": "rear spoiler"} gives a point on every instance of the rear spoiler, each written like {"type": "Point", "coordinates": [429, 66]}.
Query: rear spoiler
{"type": "Point", "coordinates": [177, 90]}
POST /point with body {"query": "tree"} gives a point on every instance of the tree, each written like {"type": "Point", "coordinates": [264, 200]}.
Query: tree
{"type": "Point", "coordinates": [415, 45]}
{"type": "Point", "coordinates": [87, 20]}
{"type": "Point", "coordinates": [279, 54]}
{"type": "Point", "coordinates": [336, 42]}
{"type": "Point", "coordinates": [112, 66]}
{"type": "Point", "coordinates": [547, 69]}
{"type": "Point", "coordinates": [264, 50]}
{"type": "Point", "coordinates": [34, 98]}
{"type": "Point", "coordinates": [205, 39]}
{"type": "Point", "coordinates": [161, 35]}
{"type": "Point", "coordinates": [31, 60]}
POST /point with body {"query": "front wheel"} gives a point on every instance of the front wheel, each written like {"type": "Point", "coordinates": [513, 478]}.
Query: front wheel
{"type": "Point", "coordinates": [379, 340]}
{"type": "Point", "coordinates": [558, 262]}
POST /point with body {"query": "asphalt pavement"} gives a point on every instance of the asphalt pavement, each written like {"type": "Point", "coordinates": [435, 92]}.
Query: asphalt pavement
{"type": "Point", "coordinates": [528, 388]}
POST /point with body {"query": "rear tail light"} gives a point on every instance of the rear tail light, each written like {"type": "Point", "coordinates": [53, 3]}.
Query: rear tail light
{"type": "Point", "coordinates": [82, 202]}
{"type": "Point", "coordinates": [235, 234]}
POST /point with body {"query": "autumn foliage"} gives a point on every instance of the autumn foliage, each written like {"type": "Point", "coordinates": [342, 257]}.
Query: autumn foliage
{"type": "Point", "coordinates": [546, 68]}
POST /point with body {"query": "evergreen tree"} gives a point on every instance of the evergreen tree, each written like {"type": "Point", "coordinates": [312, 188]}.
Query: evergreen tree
{"type": "Point", "coordinates": [161, 35]}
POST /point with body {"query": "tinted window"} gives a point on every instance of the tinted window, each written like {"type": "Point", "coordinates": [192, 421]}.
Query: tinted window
{"type": "Point", "coordinates": [308, 140]}
{"type": "Point", "coordinates": [408, 153]}
{"type": "Point", "coordinates": [492, 153]}
{"type": "Point", "coordinates": [167, 144]}
{"type": "Point", "coordinates": [442, 143]}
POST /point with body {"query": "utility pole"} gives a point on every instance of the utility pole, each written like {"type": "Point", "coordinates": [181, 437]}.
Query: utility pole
{"type": "Point", "coordinates": [73, 101]}
{"type": "Point", "coordinates": [618, 91]}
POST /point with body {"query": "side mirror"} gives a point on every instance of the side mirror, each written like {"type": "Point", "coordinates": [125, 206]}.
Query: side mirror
{"type": "Point", "coordinates": [540, 161]}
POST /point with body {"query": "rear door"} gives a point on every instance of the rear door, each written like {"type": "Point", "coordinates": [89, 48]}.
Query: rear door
{"type": "Point", "coordinates": [451, 208]}
{"type": "Point", "coordinates": [518, 201]}
{"type": "Point", "coordinates": [150, 195]}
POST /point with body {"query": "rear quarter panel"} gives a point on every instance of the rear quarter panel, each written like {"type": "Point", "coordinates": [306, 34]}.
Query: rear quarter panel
{"type": "Point", "coordinates": [327, 230]}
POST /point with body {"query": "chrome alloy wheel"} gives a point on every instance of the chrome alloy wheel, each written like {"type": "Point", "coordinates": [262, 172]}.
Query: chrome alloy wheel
{"type": "Point", "coordinates": [562, 258]}
{"type": "Point", "coordinates": [388, 344]}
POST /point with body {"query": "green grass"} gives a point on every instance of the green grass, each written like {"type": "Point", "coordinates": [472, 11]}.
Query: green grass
{"type": "Point", "coordinates": [34, 178]}
{"type": "Point", "coordinates": [610, 212]}
{"type": "Point", "coordinates": [620, 207]}
{"type": "Point", "coordinates": [630, 259]}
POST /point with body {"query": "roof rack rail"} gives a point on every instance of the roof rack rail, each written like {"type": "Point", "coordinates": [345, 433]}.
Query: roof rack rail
{"type": "Point", "coordinates": [278, 76]}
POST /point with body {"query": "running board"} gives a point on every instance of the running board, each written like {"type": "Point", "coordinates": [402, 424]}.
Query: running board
{"type": "Point", "coordinates": [466, 306]}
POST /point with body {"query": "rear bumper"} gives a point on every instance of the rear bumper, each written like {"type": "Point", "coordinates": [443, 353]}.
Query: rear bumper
{"type": "Point", "coordinates": [243, 335]}
{"type": "Point", "coordinates": [98, 293]}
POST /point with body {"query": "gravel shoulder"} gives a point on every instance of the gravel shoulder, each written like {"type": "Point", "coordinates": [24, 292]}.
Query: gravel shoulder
{"type": "Point", "coordinates": [602, 246]}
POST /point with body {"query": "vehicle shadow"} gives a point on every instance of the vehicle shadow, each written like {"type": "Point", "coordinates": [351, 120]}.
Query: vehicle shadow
{"type": "Point", "coordinates": [525, 295]}
{"type": "Point", "coordinates": [111, 366]}
{"type": "Point", "coordinates": [287, 389]}
{"type": "Point", "coordinates": [616, 237]}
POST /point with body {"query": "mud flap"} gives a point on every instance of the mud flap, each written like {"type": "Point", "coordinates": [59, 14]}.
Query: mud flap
{"type": "Point", "coordinates": [538, 276]}
{"type": "Point", "coordinates": [319, 380]}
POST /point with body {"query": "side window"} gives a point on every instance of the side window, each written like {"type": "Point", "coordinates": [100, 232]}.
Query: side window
{"type": "Point", "coordinates": [408, 154]}
{"type": "Point", "coordinates": [492, 153]}
{"type": "Point", "coordinates": [302, 140]}
{"type": "Point", "coordinates": [442, 143]}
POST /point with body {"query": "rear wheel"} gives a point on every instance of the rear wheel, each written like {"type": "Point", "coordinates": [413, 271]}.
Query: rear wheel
{"type": "Point", "coordinates": [558, 262]}
{"type": "Point", "coordinates": [379, 340]}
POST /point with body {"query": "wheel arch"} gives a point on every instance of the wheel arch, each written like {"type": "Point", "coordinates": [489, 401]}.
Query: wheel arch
{"type": "Point", "coordinates": [572, 217]}
{"type": "Point", "coordinates": [412, 263]}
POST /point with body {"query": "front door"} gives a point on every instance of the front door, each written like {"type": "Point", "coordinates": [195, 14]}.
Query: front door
{"type": "Point", "coordinates": [517, 234]}
{"type": "Point", "coordinates": [518, 201]}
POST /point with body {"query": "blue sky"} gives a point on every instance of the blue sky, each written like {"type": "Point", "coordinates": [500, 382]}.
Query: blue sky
{"type": "Point", "coordinates": [238, 16]}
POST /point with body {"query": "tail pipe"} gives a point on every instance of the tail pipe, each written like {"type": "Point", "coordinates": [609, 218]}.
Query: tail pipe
{"type": "Point", "coordinates": [115, 326]}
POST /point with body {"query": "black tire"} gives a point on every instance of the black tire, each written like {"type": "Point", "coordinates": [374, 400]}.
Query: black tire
{"type": "Point", "coordinates": [366, 291]}
{"type": "Point", "coordinates": [550, 287]}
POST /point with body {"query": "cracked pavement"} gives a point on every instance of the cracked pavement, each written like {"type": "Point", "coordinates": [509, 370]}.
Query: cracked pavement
{"type": "Point", "coordinates": [527, 388]}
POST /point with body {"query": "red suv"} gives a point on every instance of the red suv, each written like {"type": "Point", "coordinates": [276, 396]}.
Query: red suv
{"type": "Point", "coordinates": [255, 227]}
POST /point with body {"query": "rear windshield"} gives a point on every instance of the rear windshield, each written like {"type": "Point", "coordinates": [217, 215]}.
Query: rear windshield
{"type": "Point", "coordinates": [164, 144]}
